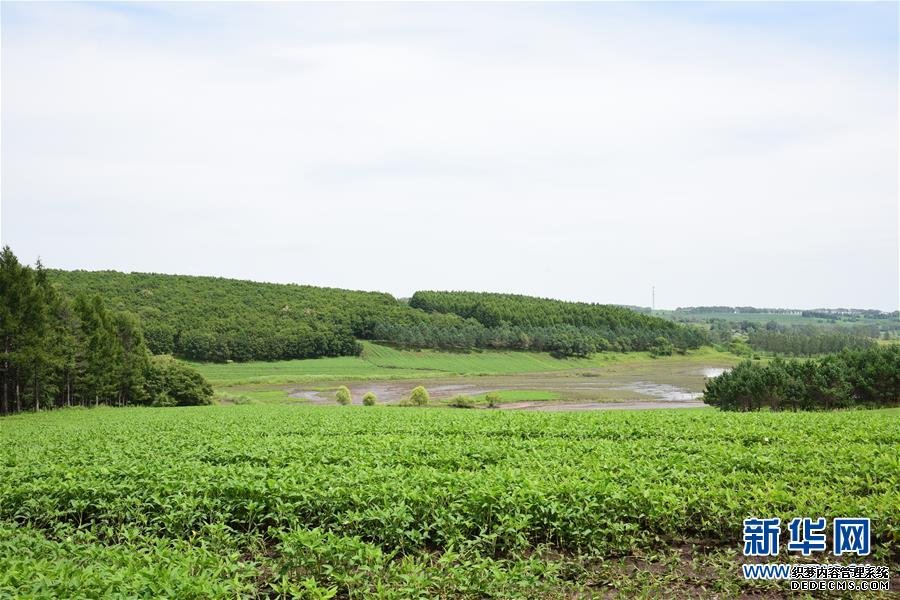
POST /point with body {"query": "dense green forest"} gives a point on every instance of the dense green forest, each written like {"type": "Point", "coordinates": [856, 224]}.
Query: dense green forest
{"type": "Point", "coordinates": [587, 327]}
{"type": "Point", "coordinates": [808, 341]}
{"type": "Point", "coordinates": [61, 350]}
{"type": "Point", "coordinates": [216, 319]}
{"type": "Point", "coordinates": [853, 378]}
{"type": "Point", "coordinates": [793, 340]}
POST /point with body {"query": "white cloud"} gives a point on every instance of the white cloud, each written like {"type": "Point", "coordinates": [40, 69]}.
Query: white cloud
{"type": "Point", "coordinates": [500, 147]}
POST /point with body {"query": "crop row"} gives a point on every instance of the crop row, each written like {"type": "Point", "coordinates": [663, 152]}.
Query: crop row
{"type": "Point", "coordinates": [493, 484]}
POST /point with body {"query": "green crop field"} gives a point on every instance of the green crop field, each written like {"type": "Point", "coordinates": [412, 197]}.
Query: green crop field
{"type": "Point", "coordinates": [321, 502]}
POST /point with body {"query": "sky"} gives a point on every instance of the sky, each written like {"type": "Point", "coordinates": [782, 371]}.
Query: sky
{"type": "Point", "coordinates": [725, 153]}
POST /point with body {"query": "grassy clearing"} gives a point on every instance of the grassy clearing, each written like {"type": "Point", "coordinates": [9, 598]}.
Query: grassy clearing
{"type": "Point", "coordinates": [382, 362]}
{"type": "Point", "coordinates": [256, 395]}
{"type": "Point", "coordinates": [505, 397]}
{"type": "Point", "coordinates": [298, 371]}
{"type": "Point", "coordinates": [488, 362]}
{"type": "Point", "coordinates": [522, 395]}
{"type": "Point", "coordinates": [302, 501]}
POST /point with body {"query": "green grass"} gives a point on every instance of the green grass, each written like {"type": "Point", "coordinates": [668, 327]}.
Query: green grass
{"type": "Point", "coordinates": [488, 362]}
{"type": "Point", "coordinates": [382, 362]}
{"type": "Point", "coordinates": [522, 395]}
{"type": "Point", "coordinates": [257, 395]}
{"type": "Point", "coordinates": [296, 371]}
{"type": "Point", "coordinates": [321, 502]}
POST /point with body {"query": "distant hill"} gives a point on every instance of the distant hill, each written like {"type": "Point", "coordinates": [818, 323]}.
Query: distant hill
{"type": "Point", "coordinates": [792, 331]}
{"type": "Point", "coordinates": [217, 319]}
{"type": "Point", "coordinates": [821, 313]}
{"type": "Point", "coordinates": [493, 310]}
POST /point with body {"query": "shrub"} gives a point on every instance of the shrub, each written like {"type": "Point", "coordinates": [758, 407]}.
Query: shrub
{"type": "Point", "coordinates": [493, 399]}
{"type": "Point", "coordinates": [661, 347]}
{"type": "Point", "coordinates": [740, 348]}
{"type": "Point", "coordinates": [170, 382]}
{"type": "Point", "coordinates": [342, 395]}
{"type": "Point", "coordinates": [369, 399]}
{"type": "Point", "coordinates": [462, 402]}
{"type": "Point", "coordinates": [419, 396]}
{"type": "Point", "coordinates": [850, 379]}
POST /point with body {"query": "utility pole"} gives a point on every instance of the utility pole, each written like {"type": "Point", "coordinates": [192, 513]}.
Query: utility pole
{"type": "Point", "coordinates": [652, 298]}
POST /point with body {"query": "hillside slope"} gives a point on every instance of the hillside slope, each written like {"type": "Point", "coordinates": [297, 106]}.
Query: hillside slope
{"type": "Point", "coordinates": [216, 319]}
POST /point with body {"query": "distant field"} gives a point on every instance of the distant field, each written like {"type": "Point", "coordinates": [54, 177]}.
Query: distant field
{"type": "Point", "coordinates": [396, 503]}
{"type": "Point", "coordinates": [780, 318]}
{"type": "Point", "coordinates": [382, 362]}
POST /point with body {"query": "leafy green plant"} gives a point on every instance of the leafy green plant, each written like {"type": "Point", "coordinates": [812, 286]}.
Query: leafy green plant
{"type": "Point", "coordinates": [493, 399]}
{"type": "Point", "coordinates": [369, 399]}
{"type": "Point", "coordinates": [661, 347]}
{"type": "Point", "coordinates": [419, 396]}
{"type": "Point", "coordinates": [291, 500]}
{"type": "Point", "coordinates": [461, 401]}
{"type": "Point", "coordinates": [342, 395]}
{"type": "Point", "coordinates": [171, 382]}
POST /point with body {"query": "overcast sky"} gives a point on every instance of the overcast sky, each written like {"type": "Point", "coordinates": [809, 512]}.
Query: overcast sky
{"type": "Point", "coordinates": [730, 153]}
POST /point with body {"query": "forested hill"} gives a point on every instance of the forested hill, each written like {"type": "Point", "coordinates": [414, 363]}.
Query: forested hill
{"type": "Point", "coordinates": [597, 326]}
{"type": "Point", "coordinates": [216, 319]}
{"type": "Point", "coordinates": [492, 309]}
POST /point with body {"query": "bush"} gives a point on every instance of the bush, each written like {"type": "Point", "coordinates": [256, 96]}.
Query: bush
{"type": "Point", "coordinates": [661, 347]}
{"type": "Point", "coordinates": [369, 399]}
{"type": "Point", "coordinates": [170, 382]}
{"type": "Point", "coordinates": [493, 399]}
{"type": "Point", "coordinates": [850, 379]}
{"type": "Point", "coordinates": [740, 348]}
{"type": "Point", "coordinates": [462, 402]}
{"type": "Point", "coordinates": [419, 396]}
{"type": "Point", "coordinates": [342, 395]}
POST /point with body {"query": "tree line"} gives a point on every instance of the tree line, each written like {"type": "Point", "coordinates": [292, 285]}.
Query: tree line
{"type": "Point", "coordinates": [734, 309]}
{"type": "Point", "coordinates": [564, 328]}
{"type": "Point", "coordinates": [792, 340]}
{"type": "Point", "coordinates": [216, 319]}
{"type": "Point", "coordinates": [867, 378]}
{"type": "Point", "coordinates": [74, 351]}
{"type": "Point", "coordinates": [850, 313]}
{"type": "Point", "coordinates": [808, 341]}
